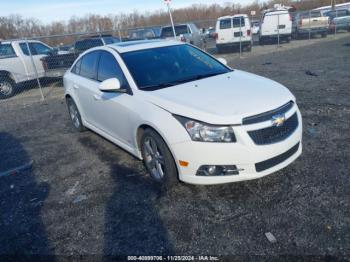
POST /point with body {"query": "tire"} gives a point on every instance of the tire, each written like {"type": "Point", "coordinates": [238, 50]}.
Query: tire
{"type": "Point", "coordinates": [219, 49]}
{"type": "Point", "coordinates": [296, 35]}
{"type": "Point", "coordinates": [249, 48]}
{"type": "Point", "coordinates": [7, 87]}
{"type": "Point", "coordinates": [324, 35]}
{"type": "Point", "coordinates": [158, 159]}
{"type": "Point", "coordinates": [75, 115]}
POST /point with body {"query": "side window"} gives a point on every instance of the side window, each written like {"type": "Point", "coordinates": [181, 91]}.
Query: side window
{"type": "Point", "coordinates": [238, 22]}
{"type": "Point", "coordinates": [76, 68]}
{"type": "Point", "coordinates": [6, 50]}
{"type": "Point", "coordinates": [89, 64]}
{"type": "Point", "coordinates": [109, 68]}
{"type": "Point", "coordinates": [40, 49]}
{"type": "Point", "coordinates": [225, 23]}
{"type": "Point", "coordinates": [24, 48]}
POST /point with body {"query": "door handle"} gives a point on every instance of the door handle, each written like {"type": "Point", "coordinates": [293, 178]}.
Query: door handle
{"type": "Point", "coordinates": [76, 86]}
{"type": "Point", "coordinates": [97, 97]}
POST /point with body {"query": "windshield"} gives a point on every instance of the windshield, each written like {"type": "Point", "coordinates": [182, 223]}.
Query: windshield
{"type": "Point", "coordinates": [162, 67]}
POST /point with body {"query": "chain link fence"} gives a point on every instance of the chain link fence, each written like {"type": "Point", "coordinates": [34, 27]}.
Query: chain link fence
{"type": "Point", "coordinates": [32, 69]}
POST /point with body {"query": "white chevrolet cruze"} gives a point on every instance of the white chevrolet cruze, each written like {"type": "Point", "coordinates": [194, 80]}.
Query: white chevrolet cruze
{"type": "Point", "coordinates": [187, 115]}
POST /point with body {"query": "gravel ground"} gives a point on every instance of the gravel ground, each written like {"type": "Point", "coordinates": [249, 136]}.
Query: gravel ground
{"type": "Point", "coordinates": [85, 196]}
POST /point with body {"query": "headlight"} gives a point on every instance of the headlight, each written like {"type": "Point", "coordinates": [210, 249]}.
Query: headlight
{"type": "Point", "coordinates": [203, 132]}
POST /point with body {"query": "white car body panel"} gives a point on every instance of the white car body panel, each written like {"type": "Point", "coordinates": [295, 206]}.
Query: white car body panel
{"type": "Point", "coordinates": [271, 21]}
{"type": "Point", "coordinates": [20, 66]}
{"type": "Point", "coordinates": [227, 36]}
{"type": "Point", "coordinates": [223, 99]}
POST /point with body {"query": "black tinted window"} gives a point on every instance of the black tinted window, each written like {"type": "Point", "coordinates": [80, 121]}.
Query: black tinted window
{"type": "Point", "coordinates": [86, 44]}
{"type": "Point", "coordinates": [238, 21]}
{"type": "Point", "coordinates": [76, 68]}
{"type": "Point", "coordinates": [108, 67]}
{"type": "Point", "coordinates": [179, 30]}
{"type": "Point", "coordinates": [89, 64]}
{"type": "Point", "coordinates": [6, 50]}
{"type": "Point", "coordinates": [35, 49]}
{"type": "Point", "coordinates": [225, 23]}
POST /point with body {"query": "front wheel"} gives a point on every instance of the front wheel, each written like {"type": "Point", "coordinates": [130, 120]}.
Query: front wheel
{"type": "Point", "coordinates": [75, 115]}
{"type": "Point", "coordinates": [7, 88]}
{"type": "Point", "coordinates": [158, 159]}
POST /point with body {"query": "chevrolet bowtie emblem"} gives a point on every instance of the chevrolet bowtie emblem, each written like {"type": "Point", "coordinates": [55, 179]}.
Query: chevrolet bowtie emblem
{"type": "Point", "coordinates": [278, 120]}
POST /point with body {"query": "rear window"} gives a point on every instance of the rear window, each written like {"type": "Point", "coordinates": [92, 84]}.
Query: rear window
{"type": "Point", "coordinates": [238, 22]}
{"type": "Point", "coordinates": [311, 15]}
{"type": "Point", "coordinates": [179, 30]}
{"type": "Point", "coordinates": [83, 45]}
{"type": "Point", "coordinates": [6, 51]}
{"type": "Point", "coordinates": [225, 23]}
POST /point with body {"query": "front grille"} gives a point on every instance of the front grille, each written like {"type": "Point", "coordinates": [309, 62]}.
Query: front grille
{"type": "Point", "coordinates": [275, 134]}
{"type": "Point", "coordinates": [261, 166]}
{"type": "Point", "coordinates": [268, 115]}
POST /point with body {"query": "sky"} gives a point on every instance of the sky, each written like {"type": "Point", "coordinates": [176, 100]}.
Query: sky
{"type": "Point", "coordinates": [58, 10]}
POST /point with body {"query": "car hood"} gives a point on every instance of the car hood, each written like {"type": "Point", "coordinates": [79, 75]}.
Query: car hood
{"type": "Point", "coordinates": [222, 99]}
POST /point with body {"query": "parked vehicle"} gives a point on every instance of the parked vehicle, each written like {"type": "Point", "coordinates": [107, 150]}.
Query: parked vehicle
{"type": "Point", "coordinates": [57, 64]}
{"type": "Point", "coordinates": [233, 31]}
{"type": "Point", "coordinates": [255, 27]}
{"type": "Point", "coordinates": [209, 32]}
{"type": "Point", "coordinates": [186, 114]}
{"type": "Point", "coordinates": [188, 33]}
{"type": "Point", "coordinates": [93, 41]}
{"type": "Point", "coordinates": [275, 23]}
{"type": "Point", "coordinates": [339, 20]}
{"type": "Point", "coordinates": [144, 33]}
{"type": "Point", "coordinates": [310, 22]}
{"type": "Point", "coordinates": [16, 65]}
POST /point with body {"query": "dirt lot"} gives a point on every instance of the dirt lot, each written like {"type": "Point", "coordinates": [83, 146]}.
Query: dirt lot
{"type": "Point", "coordinates": [86, 196]}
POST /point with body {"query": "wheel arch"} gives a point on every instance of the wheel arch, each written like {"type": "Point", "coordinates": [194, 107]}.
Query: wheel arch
{"type": "Point", "coordinates": [139, 131]}
{"type": "Point", "coordinates": [7, 74]}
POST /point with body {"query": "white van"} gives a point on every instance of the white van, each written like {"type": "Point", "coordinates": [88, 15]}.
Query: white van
{"type": "Point", "coordinates": [274, 23]}
{"type": "Point", "coordinates": [231, 30]}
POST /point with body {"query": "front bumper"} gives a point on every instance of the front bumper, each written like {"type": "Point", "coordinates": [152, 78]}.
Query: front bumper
{"type": "Point", "coordinates": [244, 154]}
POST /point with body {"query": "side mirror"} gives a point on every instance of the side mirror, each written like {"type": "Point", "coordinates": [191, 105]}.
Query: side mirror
{"type": "Point", "coordinates": [111, 85]}
{"type": "Point", "coordinates": [222, 60]}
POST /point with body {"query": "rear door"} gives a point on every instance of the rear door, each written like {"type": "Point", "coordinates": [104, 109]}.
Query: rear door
{"type": "Point", "coordinates": [38, 51]}
{"type": "Point", "coordinates": [225, 31]}
{"type": "Point", "coordinates": [86, 86]}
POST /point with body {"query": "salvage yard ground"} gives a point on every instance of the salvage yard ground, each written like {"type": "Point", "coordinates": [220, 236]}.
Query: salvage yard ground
{"type": "Point", "coordinates": [84, 195]}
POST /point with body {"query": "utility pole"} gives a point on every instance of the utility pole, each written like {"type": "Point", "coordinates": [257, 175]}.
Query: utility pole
{"type": "Point", "coordinates": [167, 2]}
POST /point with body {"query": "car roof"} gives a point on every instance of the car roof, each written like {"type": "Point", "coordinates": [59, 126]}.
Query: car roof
{"type": "Point", "coordinates": [232, 16]}
{"type": "Point", "coordinates": [130, 46]}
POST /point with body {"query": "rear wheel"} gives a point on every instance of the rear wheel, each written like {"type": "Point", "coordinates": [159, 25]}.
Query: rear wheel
{"type": "Point", "coordinates": [7, 87]}
{"type": "Point", "coordinates": [75, 115]}
{"type": "Point", "coordinates": [158, 159]}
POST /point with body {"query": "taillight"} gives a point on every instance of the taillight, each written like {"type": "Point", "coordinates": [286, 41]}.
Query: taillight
{"type": "Point", "coordinates": [248, 32]}
{"type": "Point", "coordinates": [290, 17]}
{"type": "Point", "coordinates": [301, 22]}
{"type": "Point", "coordinates": [216, 36]}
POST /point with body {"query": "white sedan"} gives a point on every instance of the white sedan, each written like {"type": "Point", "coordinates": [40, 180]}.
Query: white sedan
{"type": "Point", "coordinates": [187, 115]}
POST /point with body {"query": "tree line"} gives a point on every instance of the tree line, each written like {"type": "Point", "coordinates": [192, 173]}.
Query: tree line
{"type": "Point", "coordinates": [15, 26]}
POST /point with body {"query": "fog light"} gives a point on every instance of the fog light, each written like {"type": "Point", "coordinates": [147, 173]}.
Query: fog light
{"type": "Point", "coordinates": [211, 170]}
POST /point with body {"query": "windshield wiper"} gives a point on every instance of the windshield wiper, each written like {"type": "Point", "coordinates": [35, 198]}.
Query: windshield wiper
{"type": "Point", "coordinates": [177, 82]}
{"type": "Point", "coordinates": [198, 77]}
{"type": "Point", "coordinates": [157, 86]}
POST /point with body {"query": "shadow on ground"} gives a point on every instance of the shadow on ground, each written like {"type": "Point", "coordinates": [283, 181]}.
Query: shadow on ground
{"type": "Point", "coordinates": [21, 227]}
